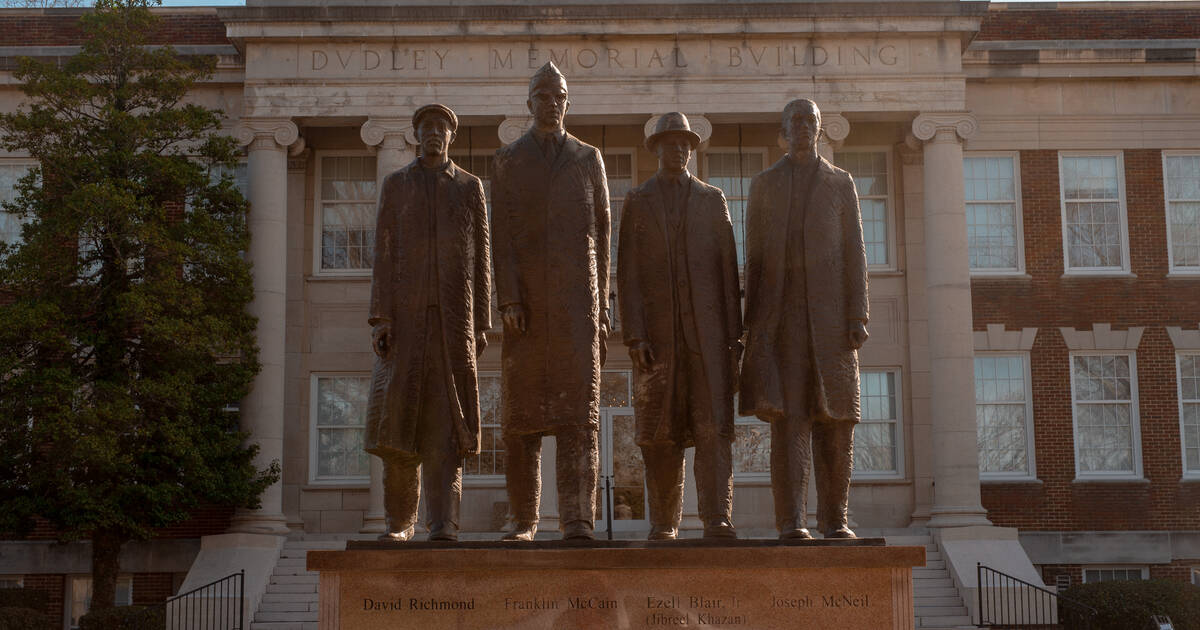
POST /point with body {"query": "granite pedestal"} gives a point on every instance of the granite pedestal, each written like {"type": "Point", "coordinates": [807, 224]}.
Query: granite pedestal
{"type": "Point", "coordinates": [817, 585]}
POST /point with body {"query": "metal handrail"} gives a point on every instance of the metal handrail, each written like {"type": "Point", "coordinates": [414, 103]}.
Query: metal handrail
{"type": "Point", "coordinates": [225, 608]}
{"type": "Point", "coordinates": [1010, 603]}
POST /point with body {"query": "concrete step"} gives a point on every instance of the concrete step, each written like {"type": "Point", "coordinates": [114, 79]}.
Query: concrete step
{"type": "Point", "coordinates": [922, 601]}
{"type": "Point", "coordinates": [937, 592]}
{"type": "Point", "coordinates": [279, 598]}
{"type": "Point", "coordinates": [940, 565]}
{"type": "Point", "coordinates": [307, 578]}
{"type": "Point", "coordinates": [298, 606]}
{"type": "Point", "coordinates": [942, 611]}
{"type": "Point", "coordinates": [292, 562]}
{"type": "Point", "coordinates": [284, 625]}
{"type": "Point", "coordinates": [292, 588]}
{"type": "Point", "coordinates": [300, 570]}
{"type": "Point", "coordinates": [956, 621]}
{"type": "Point", "coordinates": [920, 584]}
{"type": "Point", "coordinates": [931, 556]}
{"type": "Point", "coordinates": [267, 616]}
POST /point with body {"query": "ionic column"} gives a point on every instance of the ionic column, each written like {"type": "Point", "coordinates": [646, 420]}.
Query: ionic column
{"type": "Point", "coordinates": [834, 129]}
{"type": "Point", "coordinates": [262, 410]}
{"type": "Point", "coordinates": [393, 140]}
{"type": "Point", "coordinates": [512, 128]}
{"type": "Point", "coordinates": [956, 499]}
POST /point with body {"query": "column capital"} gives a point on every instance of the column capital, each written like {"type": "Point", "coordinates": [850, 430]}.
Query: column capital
{"type": "Point", "coordinates": [388, 132]}
{"type": "Point", "coordinates": [698, 122]}
{"type": "Point", "coordinates": [834, 127]}
{"type": "Point", "coordinates": [263, 133]}
{"type": "Point", "coordinates": [513, 127]}
{"type": "Point", "coordinates": [962, 125]}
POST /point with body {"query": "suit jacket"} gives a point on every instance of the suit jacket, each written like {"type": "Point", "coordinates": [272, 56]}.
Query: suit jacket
{"type": "Point", "coordinates": [551, 251]}
{"type": "Point", "coordinates": [835, 262]}
{"type": "Point", "coordinates": [401, 295]}
{"type": "Point", "coordinates": [647, 297]}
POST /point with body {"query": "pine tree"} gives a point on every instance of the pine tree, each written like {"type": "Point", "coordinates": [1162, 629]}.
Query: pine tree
{"type": "Point", "coordinates": [124, 334]}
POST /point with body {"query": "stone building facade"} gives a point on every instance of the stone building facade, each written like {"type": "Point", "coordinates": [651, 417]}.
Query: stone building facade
{"type": "Point", "coordinates": [1030, 184]}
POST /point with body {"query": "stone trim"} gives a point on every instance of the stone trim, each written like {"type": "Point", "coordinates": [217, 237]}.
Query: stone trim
{"type": "Point", "coordinates": [283, 131]}
{"type": "Point", "coordinates": [386, 131]}
{"type": "Point", "coordinates": [1102, 337]}
{"type": "Point", "coordinates": [997, 338]}
{"type": "Point", "coordinates": [513, 127]}
{"type": "Point", "coordinates": [1184, 339]}
{"type": "Point", "coordinates": [926, 126]}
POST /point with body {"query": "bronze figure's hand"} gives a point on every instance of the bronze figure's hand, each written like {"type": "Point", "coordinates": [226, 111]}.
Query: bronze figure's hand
{"type": "Point", "coordinates": [514, 318]}
{"type": "Point", "coordinates": [858, 334]}
{"type": "Point", "coordinates": [642, 355]}
{"type": "Point", "coordinates": [480, 343]}
{"type": "Point", "coordinates": [381, 339]}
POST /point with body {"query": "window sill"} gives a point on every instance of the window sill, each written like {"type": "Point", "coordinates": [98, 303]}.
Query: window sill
{"type": "Point", "coordinates": [1085, 275]}
{"type": "Point", "coordinates": [1183, 275]}
{"type": "Point", "coordinates": [999, 481]}
{"type": "Point", "coordinates": [352, 277]}
{"type": "Point", "coordinates": [885, 273]}
{"type": "Point", "coordinates": [1190, 479]}
{"type": "Point", "coordinates": [879, 481]}
{"type": "Point", "coordinates": [483, 482]}
{"type": "Point", "coordinates": [335, 486]}
{"type": "Point", "coordinates": [1015, 276]}
{"type": "Point", "coordinates": [1139, 481]}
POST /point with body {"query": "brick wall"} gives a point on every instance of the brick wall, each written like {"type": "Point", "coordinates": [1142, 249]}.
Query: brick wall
{"type": "Point", "coordinates": [54, 586]}
{"type": "Point", "coordinates": [1047, 301]}
{"type": "Point", "coordinates": [1066, 22]}
{"type": "Point", "coordinates": [151, 588]}
{"type": "Point", "coordinates": [61, 28]}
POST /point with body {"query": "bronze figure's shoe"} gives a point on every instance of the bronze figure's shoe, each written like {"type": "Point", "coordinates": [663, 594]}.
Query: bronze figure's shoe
{"type": "Point", "coordinates": [578, 530]}
{"type": "Point", "coordinates": [662, 532]}
{"type": "Point", "coordinates": [841, 532]}
{"type": "Point", "coordinates": [797, 533]}
{"type": "Point", "coordinates": [719, 528]}
{"type": "Point", "coordinates": [400, 536]}
{"type": "Point", "coordinates": [523, 532]}
{"type": "Point", "coordinates": [446, 532]}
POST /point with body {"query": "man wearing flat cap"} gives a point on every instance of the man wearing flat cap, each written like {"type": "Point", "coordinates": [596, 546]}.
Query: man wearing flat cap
{"type": "Point", "coordinates": [550, 219]}
{"type": "Point", "coordinates": [430, 308]}
{"type": "Point", "coordinates": [677, 279]}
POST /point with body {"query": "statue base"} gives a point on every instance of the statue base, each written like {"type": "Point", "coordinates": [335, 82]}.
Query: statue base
{"type": "Point", "coordinates": [817, 584]}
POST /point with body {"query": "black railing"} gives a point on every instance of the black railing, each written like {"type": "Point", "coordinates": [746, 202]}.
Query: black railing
{"type": "Point", "coordinates": [1009, 603]}
{"type": "Point", "coordinates": [217, 605]}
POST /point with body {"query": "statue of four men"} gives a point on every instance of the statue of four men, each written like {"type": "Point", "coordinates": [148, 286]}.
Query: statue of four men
{"type": "Point", "coordinates": [681, 316]}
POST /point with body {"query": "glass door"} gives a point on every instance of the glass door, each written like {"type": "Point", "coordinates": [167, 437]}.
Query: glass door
{"type": "Point", "coordinates": [622, 473]}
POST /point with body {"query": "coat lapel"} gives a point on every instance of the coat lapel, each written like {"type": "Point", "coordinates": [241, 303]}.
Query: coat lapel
{"type": "Point", "coordinates": [658, 208]}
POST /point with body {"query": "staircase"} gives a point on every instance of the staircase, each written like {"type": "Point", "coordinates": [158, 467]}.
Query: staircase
{"type": "Point", "coordinates": [937, 603]}
{"type": "Point", "coordinates": [290, 602]}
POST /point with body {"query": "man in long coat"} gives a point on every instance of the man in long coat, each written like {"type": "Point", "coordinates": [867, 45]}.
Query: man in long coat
{"type": "Point", "coordinates": [806, 315]}
{"type": "Point", "coordinates": [550, 217]}
{"type": "Point", "coordinates": [677, 278]}
{"type": "Point", "coordinates": [430, 309]}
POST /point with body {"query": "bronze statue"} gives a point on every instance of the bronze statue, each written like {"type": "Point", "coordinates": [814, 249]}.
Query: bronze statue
{"type": "Point", "coordinates": [551, 221]}
{"type": "Point", "coordinates": [677, 278]}
{"type": "Point", "coordinates": [429, 311]}
{"type": "Point", "coordinates": [806, 317]}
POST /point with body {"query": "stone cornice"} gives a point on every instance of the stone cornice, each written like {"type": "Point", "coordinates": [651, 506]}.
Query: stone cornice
{"type": "Point", "coordinates": [926, 126]}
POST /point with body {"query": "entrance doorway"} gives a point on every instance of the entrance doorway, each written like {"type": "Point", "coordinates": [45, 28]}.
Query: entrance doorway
{"type": "Point", "coordinates": [622, 473]}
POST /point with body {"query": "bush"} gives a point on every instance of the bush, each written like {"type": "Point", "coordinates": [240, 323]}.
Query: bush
{"type": "Point", "coordinates": [22, 598]}
{"type": "Point", "coordinates": [1130, 605]}
{"type": "Point", "coordinates": [124, 618]}
{"type": "Point", "coordinates": [14, 618]}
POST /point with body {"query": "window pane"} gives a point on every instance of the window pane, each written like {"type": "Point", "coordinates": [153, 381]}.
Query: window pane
{"type": "Point", "coordinates": [752, 447]}
{"type": "Point", "coordinates": [348, 236]}
{"type": "Point", "coordinates": [10, 225]}
{"type": "Point", "coordinates": [341, 419]}
{"type": "Point", "coordinates": [1189, 389]}
{"type": "Point", "coordinates": [869, 169]}
{"type": "Point", "coordinates": [1001, 409]}
{"type": "Point", "coordinates": [732, 172]}
{"type": "Point", "coordinates": [875, 437]}
{"type": "Point", "coordinates": [614, 388]}
{"type": "Point", "coordinates": [618, 168]}
{"type": "Point", "coordinates": [491, 460]}
{"type": "Point", "coordinates": [1093, 234]}
{"type": "Point", "coordinates": [1183, 209]}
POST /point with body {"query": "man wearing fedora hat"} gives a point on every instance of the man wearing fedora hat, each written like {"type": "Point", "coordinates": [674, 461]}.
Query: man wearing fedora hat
{"type": "Point", "coordinates": [677, 279]}
{"type": "Point", "coordinates": [429, 311]}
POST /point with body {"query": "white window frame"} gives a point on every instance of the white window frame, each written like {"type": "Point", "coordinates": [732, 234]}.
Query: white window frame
{"type": "Point", "coordinates": [456, 154]}
{"type": "Point", "coordinates": [702, 160]}
{"type": "Point", "coordinates": [1135, 425]}
{"type": "Point", "coordinates": [1174, 269]}
{"type": "Point", "coordinates": [1030, 460]}
{"type": "Point", "coordinates": [1145, 571]}
{"type": "Point", "coordinates": [1187, 474]}
{"type": "Point", "coordinates": [889, 202]}
{"type": "Point", "coordinates": [1124, 269]}
{"type": "Point", "coordinates": [486, 481]}
{"type": "Point", "coordinates": [633, 179]}
{"type": "Point", "coordinates": [69, 597]}
{"type": "Point", "coordinates": [1018, 215]}
{"type": "Point", "coordinates": [899, 433]}
{"type": "Point", "coordinates": [15, 581]}
{"type": "Point", "coordinates": [313, 445]}
{"type": "Point", "coordinates": [750, 478]}
{"type": "Point", "coordinates": [1195, 576]}
{"type": "Point", "coordinates": [319, 213]}
{"type": "Point", "coordinates": [26, 161]}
